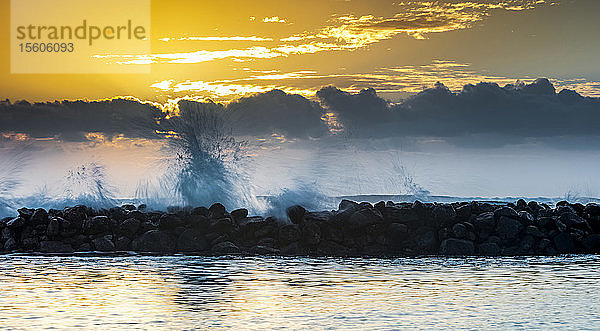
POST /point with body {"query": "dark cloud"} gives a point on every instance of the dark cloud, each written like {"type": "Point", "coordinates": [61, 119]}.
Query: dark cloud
{"type": "Point", "coordinates": [485, 112]}
{"type": "Point", "coordinates": [277, 112]}
{"type": "Point", "coordinates": [72, 120]}
{"type": "Point", "coordinates": [481, 115]}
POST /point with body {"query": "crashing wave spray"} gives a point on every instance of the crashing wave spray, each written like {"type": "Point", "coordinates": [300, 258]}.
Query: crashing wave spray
{"type": "Point", "coordinates": [10, 169]}
{"type": "Point", "coordinates": [204, 161]}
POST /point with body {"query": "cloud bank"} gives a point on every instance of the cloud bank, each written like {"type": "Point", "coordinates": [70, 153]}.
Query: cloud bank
{"type": "Point", "coordinates": [482, 114]}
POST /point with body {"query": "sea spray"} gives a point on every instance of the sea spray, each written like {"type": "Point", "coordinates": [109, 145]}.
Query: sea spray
{"type": "Point", "coordinates": [203, 162]}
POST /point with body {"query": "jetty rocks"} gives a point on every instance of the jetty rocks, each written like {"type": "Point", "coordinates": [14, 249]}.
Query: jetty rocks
{"type": "Point", "coordinates": [385, 229]}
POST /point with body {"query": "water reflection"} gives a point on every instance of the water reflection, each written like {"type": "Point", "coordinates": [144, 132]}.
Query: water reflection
{"type": "Point", "coordinates": [257, 293]}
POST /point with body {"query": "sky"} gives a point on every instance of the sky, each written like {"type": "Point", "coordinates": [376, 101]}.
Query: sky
{"type": "Point", "coordinates": [228, 49]}
{"type": "Point", "coordinates": [465, 98]}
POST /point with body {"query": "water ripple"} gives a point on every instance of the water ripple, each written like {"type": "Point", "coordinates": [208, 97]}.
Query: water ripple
{"type": "Point", "coordinates": [181, 292]}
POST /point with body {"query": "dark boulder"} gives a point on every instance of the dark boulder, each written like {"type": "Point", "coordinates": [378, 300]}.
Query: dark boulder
{"type": "Point", "coordinates": [130, 227]}
{"type": "Point", "coordinates": [123, 244]}
{"type": "Point", "coordinates": [191, 241]}
{"type": "Point", "coordinates": [364, 217]}
{"type": "Point", "coordinates": [16, 223]}
{"type": "Point", "coordinates": [507, 212]}
{"type": "Point", "coordinates": [55, 247]}
{"type": "Point", "coordinates": [225, 248]}
{"type": "Point", "coordinates": [53, 228]}
{"type": "Point", "coordinates": [508, 228]}
{"type": "Point", "coordinates": [591, 242]}
{"type": "Point", "coordinates": [488, 249]}
{"type": "Point", "coordinates": [239, 214]}
{"type": "Point", "coordinates": [222, 225]}
{"type": "Point", "coordinates": [104, 244]}
{"type": "Point", "coordinates": [459, 247]}
{"type": "Point", "coordinates": [463, 213]}
{"type": "Point", "coordinates": [564, 243]}
{"type": "Point", "coordinates": [396, 214]}
{"type": "Point", "coordinates": [311, 234]}
{"type": "Point", "coordinates": [39, 217]}
{"type": "Point", "coordinates": [169, 222]}
{"type": "Point", "coordinates": [154, 241]}
{"type": "Point", "coordinates": [98, 225]}
{"type": "Point", "coordinates": [459, 230]}
{"type": "Point", "coordinates": [289, 233]}
{"type": "Point", "coordinates": [296, 214]}
{"type": "Point", "coordinates": [444, 215]}
{"type": "Point", "coordinates": [533, 231]}
{"type": "Point", "coordinates": [217, 210]}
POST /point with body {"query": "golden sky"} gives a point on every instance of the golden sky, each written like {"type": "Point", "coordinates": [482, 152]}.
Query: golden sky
{"type": "Point", "coordinates": [225, 49]}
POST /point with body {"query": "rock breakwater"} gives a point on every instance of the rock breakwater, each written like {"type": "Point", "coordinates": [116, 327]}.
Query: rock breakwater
{"type": "Point", "coordinates": [354, 229]}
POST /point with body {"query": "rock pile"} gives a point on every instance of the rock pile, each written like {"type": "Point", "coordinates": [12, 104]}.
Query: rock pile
{"type": "Point", "coordinates": [355, 229]}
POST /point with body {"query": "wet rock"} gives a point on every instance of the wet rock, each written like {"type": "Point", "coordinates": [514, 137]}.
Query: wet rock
{"type": "Point", "coordinates": [123, 244]}
{"type": "Point", "coordinates": [564, 243]}
{"type": "Point", "coordinates": [508, 228]}
{"type": "Point", "coordinates": [364, 217]}
{"type": "Point", "coordinates": [85, 247]}
{"type": "Point", "coordinates": [402, 215]}
{"type": "Point", "coordinates": [39, 216]}
{"type": "Point", "coordinates": [98, 225]}
{"type": "Point", "coordinates": [454, 246]}
{"type": "Point", "coordinates": [505, 212]}
{"type": "Point", "coordinates": [136, 214]}
{"type": "Point", "coordinates": [191, 241]}
{"type": "Point", "coordinates": [239, 214]}
{"type": "Point", "coordinates": [30, 244]}
{"type": "Point", "coordinates": [10, 244]}
{"type": "Point", "coordinates": [130, 227]}
{"type": "Point", "coordinates": [444, 215]}
{"type": "Point", "coordinates": [527, 244]}
{"type": "Point", "coordinates": [397, 234]}
{"type": "Point", "coordinates": [55, 247]}
{"type": "Point", "coordinates": [526, 217]}
{"type": "Point", "coordinates": [104, 244]}
{"type": "Point", "coordinates": [225, 248]}
{"type": "Point", "coordinates": [591, 242]}
{"type": "Point", "coordinates": [459, 230]}
{"type": "Point", "coordinates": [53, 228]}
{"type": "Point", "coordinates": [296, 214]}
{"type": "Point", "coordinates": [489, 249]}
{"type": "Point", "coordinates": [330, 248]}
{"type": "Point", "coordinates": [311, 234]}
{"type": "Point", "coordinates": [203, 211]}
{"type": "Point", "coordinates": [263, 250]}
{"type": "Point", "coordinates": [464, 212]}
{"type": "Point", "coordinates": [223, 225]}
{"type": "Point", "coordinates": [532, 230]}
{"type": "Point", "coordinates": [169, 222]}
{"type": "Point", "coordinates": [572, 220]}
{"type": "Point", "coordinates": [289, 233]}
{"type": "Point", "coordinates": [154, 241]}
{"type": "Point", "coordinates": [217, 210]}
{"type": "Point", "coordinates": [16, 223]}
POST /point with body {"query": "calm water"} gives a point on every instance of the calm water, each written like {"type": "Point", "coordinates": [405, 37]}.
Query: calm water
{"type": "Point", "coordinates": [181, 292]}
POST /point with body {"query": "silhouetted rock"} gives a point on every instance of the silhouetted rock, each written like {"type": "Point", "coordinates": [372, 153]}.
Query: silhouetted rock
{"type": "Point", "coordinates": [154, 241]}
{"type": "Point", "coordinates": [454, 246]}
{"type": "Point", "coordinates": [355, 229]}
{"type": "Point", "coordinates": [55, 247]}
{"type": "Point", "coordinates": [191, 241]}
{"type": "Point", "coordinates": [296, 214]}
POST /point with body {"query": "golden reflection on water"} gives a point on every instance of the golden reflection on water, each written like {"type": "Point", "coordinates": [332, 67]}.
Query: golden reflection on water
{"type": "Point", "coordinates": [256, 293]}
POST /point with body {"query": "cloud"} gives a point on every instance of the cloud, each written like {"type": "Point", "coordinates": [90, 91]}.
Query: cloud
{"type": "Point", "coordinates": [274, 19]}
{"type": "Point", "coordinates": [481, 112]}
{"type": "Point", "coordinates": [277, 112]}
{"type": "Point", "coordinates": [74, 120]}
{"type": "Point", "coordinates": [479, 115]}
